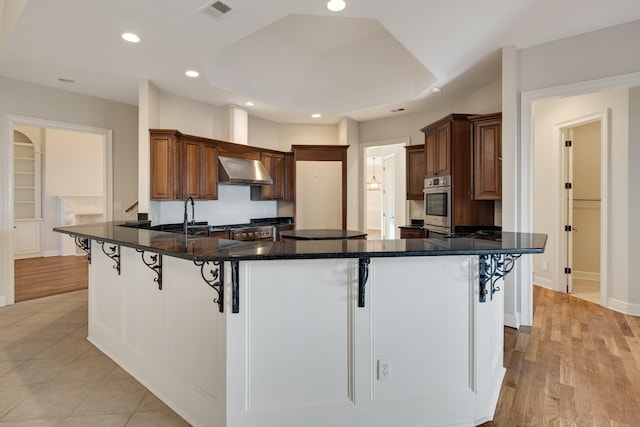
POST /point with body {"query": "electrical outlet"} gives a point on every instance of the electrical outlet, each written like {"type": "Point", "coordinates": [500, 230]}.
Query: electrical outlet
{"type": "Point", "coordinates": [384, 369]}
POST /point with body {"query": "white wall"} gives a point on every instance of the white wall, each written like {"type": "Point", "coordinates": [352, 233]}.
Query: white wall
{"type": "Point", "coordinates": [633, 194]}
{"type": "Point", "coordinates": [547, 182]}
{"type": "Point", "coordinates": [73, 166]}
{"type": "Point", "coordinates": [35, 101]}
{"type": "Point", "coordinates": [569, 66]}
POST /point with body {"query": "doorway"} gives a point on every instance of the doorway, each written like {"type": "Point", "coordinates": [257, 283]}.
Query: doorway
{"type": "Point", "coordinates": [384, 176]}
{"type": "Point", "coordinates": [76, 163]}
{"type": "Point", "coordinates": [581, 209]}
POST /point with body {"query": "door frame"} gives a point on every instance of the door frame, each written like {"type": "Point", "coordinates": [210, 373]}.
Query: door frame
{"type": "Point", "coordinates": [383, 209]}
{"type": "Point", "coordinates": [362, 181]}
{"type": "Point", "coordinates": [10, 120]}
{"type": "Point", "coordinates": [604, 117]}
{"type": "Point", "coordinates": [522, 213]}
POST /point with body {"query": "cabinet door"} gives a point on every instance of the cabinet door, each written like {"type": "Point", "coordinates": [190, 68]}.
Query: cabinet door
{"type": "Point", "coordinates": [443, 149]}
{"type": "Point", "coordinates": [487, 168]}
{"type": "Point", "coordinates": [274, 163]}
{"type": "Point", "coordinates": [411, 233]}
{"type": "Point", "coordinates": [416, 170]}
{"type": "Point", "coordinates": [289, 176]}
{"type": "Point", "coordinates": [163, 168]}
{"type": "Point", "coordinates": [209, 172]}
{"type": "Point", "coordinates": [430, 153]}
{"type": "Point", "coordinates": [277, 174]}
{"type": "Point", "coordinates": [191, 169]}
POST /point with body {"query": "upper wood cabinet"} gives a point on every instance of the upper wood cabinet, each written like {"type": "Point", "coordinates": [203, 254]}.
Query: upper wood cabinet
{"type": "Point", "coordinates": [487, 156]}
{"type": "Point", "coordinates": [416, 170]}
{"type": "Point", "coordinates": [199, 169]}
{"type": "Point", "coordinates": [165, 165]}
{"type": "Point", "coordinates": [440, 138]}
{"type": "Point", "coordinates": [274, 163]}
{"type": "Point", "coordinates": [181, 166]}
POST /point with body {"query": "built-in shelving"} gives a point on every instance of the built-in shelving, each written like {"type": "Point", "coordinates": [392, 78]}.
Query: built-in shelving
{"type": "Point", "coordinates": [26, 178]}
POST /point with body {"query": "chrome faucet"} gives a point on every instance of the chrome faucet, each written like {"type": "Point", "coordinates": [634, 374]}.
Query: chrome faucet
{"type": "Point", "coordinates": [186, 217]}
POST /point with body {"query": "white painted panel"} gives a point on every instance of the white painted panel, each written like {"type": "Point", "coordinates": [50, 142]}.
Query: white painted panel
{"type": "Point", "coordinates": [27, 238]}
{"type": "Point", "coordinates": [105, 297]}
{"type": "Point", "coordinates": [143, 307]}
{"type": "Point", "coordinates": [291, 362]}
{"type": "Point", "coordinates": [432, 352]}
{"type": "Point", "coordinates": [194, 325]}
{"type": "Point", "coordinates": [318, 195]}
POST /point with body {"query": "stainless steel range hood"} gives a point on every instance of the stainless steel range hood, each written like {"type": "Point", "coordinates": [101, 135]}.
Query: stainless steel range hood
{"type": "Point", "coordinates": [243, 172]}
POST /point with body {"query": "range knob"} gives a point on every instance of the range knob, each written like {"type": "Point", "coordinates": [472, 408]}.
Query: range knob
{"type": "Point", "coordinates": [250, 234]}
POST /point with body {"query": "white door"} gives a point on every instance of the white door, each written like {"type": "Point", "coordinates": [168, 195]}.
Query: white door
{"type": "Point", "coordinates": [389, 197]}
{"type": "Point", "coordinates": [318, 195]}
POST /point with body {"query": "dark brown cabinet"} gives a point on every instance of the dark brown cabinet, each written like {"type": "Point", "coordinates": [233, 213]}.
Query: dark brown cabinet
{"type": "Point", "coordinates": [438, 150]}
{"type": "Point", "coordinates": [182, 166]}
{"type": "Point", "coordinates": [441, 139]}
{"type": "Point", "coordinates": [487, 156]}
{"type": "Point", "coordinates": [412, 233]}
{"type": "Point", "coordinates": [199, 169]}
{"type": "Point", "coordinates": [274, 163]}
{"type": "Point", "coordinates": [416, 170]}
{"type": "Point", "coordinates": [165, 166]}
{"type": "Point", "coordinates": [448, 151]}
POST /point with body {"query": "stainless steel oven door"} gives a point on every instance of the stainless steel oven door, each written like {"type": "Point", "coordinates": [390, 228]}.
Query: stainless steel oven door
{"type": "Point", "coordinates": [437, 206]}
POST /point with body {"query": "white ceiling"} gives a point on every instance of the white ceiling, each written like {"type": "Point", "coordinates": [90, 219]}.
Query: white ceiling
{"type": "Point", "coordinates": [291, 57]}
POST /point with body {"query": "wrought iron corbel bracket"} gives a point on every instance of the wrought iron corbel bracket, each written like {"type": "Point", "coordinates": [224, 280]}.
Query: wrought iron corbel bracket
{"type": "Point", "coordinates": [492, 268]}
{"type": "Point", "coordinates": [113, 252]}
{"type": "Point", "coordinates": [235, 287]}
{"type": "Point", "coordinates": [363, 276]}
{"type": "Point", "coordinates": [155, 264]}
{"type": "Point", "coordinates": [212, 273]}
{"type": "Point", "coordinates": [83, 243]}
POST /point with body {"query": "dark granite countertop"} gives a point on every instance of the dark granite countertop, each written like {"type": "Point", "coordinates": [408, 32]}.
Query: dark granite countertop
{"type": "Point", "coordinates": [207, 248]}
{"type": "Point", "coordinates": [322, 234]}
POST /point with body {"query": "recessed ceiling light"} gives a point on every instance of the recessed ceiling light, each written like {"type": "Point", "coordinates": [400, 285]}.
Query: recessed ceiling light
{"type": "Point", "coordinates": [131, 38]}
{"type": "Point", "coordinates": [436, 89]}
{"type": "Point", "coordinates": [249, 103]}
{"type": "Point", "coordinates": [192, 73]}
{"type": "Point", "coordinates": [336, 5]}
{"type": "Point", "coordinates": [316, 115]}
{"type": "Point", "coordinates": [66, 80]}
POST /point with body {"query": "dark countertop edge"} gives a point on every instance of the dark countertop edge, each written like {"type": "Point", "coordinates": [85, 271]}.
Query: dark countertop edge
{"type": "Point", "coordinates": [326, 255]}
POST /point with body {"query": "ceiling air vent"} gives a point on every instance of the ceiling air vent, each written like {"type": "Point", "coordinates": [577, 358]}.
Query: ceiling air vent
{"type": "Point", "coordinates": [215, 8]}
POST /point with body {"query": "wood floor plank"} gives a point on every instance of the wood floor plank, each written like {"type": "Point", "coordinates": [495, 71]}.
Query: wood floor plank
{"type": "Point", "coordinates": [578, 365]}
{"type": "Point", "coordinates": [45, 276]}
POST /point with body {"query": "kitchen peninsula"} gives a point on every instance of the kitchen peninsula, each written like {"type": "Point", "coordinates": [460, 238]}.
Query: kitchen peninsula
{"type": "Point", "coordinates": [304, 333]}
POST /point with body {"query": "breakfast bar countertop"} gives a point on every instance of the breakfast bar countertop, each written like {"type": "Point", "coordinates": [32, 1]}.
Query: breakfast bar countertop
{"type": "Point", "coordinates": [203, 248]}
{"type": "Point", "coordinates": [323, 234]}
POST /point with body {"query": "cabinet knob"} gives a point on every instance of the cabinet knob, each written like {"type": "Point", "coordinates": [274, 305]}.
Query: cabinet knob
{"type": "Point", "coordinates": [499, 158]}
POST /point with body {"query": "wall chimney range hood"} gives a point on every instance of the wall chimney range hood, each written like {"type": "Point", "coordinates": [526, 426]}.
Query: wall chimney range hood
{"type": "Point", "coordinates": [242, 172]}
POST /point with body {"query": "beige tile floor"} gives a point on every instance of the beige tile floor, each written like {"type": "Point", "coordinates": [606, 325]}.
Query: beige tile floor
{"type": "Point", "coordinates": [51, 376]}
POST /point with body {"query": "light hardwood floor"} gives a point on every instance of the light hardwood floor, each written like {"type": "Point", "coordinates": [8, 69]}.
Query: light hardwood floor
{"type": "Point", "coordinates": [46, 276]}
{"type": "Point", "coordinates": [579, 365]}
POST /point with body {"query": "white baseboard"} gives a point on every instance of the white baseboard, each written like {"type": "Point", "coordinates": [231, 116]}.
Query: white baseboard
{"type": "Point", "coordinates": [543, 282]}
{"type": "Point", "coordinates": [624, 307]}
{"type": "Point", "coordinates": [57, 252]}
{"type": "Point", "coordinates": [511, 321]}
{"type": "Point", "coordinates": [586, 275]}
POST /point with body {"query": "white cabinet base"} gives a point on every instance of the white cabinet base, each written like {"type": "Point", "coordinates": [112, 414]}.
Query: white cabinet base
{"type": "Point", "coordinates": [27, 238]}
{"type": "Point", "coordinates": [300, 352]}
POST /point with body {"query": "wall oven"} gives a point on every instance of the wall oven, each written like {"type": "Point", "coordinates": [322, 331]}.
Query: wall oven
{"type": "Point", "coordinates": [437, 205]}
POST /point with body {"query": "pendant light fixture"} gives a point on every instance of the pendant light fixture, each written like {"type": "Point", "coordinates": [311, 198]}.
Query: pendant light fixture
{"type": "Point", "coordinates": [373, 184]}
